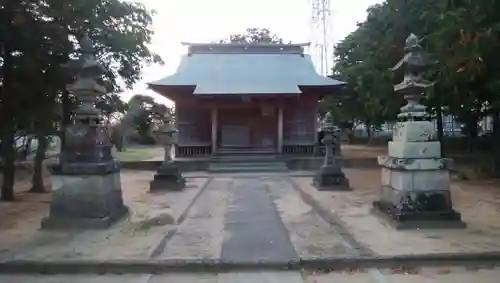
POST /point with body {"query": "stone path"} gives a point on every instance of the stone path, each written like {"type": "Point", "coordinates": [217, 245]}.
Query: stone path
{"type": "Point", "coordinates": [253, 228]}
{"type": "Point", "coordinates": [253, 220]}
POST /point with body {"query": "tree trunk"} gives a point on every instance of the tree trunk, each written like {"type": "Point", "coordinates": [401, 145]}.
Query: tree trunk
{"type": "Point", "coordinates": [368, 126]}
{"type": "Point", "coordinates": [37, 182]}
{"type": "Point", "coordinates": [9, 170]}
{"type": "Point", "coordinates": [66, 117]}
{"type": "Point", "coordinates": [495, 160]}
{"type": "Point", "coordinates": [27, 146]}
{"type": "Point", "coordinates": [350, 131]}
{"type": "Point", "coordinates": [472, 132]}
{"type": "Point", "coordinates": [439, 126]}
{"type": "Point", "coordinates": [8, 107]}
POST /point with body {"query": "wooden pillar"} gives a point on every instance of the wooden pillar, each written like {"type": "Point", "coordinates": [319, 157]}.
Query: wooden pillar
{"type": "Point", "coordinates": [214, 129]}
{"type": "Point", "coordinates": [317, 147]}
{"type": "Point", "coordinates": [280, 129]}
{"type": "Point", "coordinates": [315, 124]}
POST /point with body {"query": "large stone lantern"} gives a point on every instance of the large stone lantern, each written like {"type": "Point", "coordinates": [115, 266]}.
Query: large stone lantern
{"type": "Point", "coordinates": [330, 175]}
{"type": "Point", "coordinates": [415, 178]}
{"type": "Point", "coordinates": [168, 176]}
{"type": "Point", "coordinates": [86, 187]}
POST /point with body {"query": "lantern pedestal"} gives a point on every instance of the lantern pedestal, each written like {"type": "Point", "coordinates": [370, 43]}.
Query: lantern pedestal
{"type": "Point", "coordinates": [86, 187]}
{"type": "Point", "coordinates": [168, 177]}
{"type": "Point", "coordinates": [416, 181]}
{"type": "Point", "coordinates": [331, 178]}
{"type": "Point", "coordinates": [81, 201]}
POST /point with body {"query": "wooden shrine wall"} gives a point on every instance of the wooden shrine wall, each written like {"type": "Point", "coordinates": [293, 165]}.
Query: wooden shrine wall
{"type": "Point", "coordinates": [299, 125]}
{"type": "Point", "coordinates": [250, 126]}
{"type": "Point", "coordinates": [194, 125]}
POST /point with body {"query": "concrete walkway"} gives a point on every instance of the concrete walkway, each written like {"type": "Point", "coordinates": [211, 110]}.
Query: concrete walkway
{"type": "Point", "coordinates": [253, 226]}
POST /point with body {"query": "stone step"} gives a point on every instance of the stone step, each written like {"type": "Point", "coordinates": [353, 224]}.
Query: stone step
{"type": "Point", "coordinates": [248, 164]}
{"type": "Point", "coordinates": [246, 169]}
{"type": "Point", "coordinates": [248, 158]}
{"type": "Point", "coordinates": [245, 151]}
{"type": "Point", "coordinates": [234, 168]}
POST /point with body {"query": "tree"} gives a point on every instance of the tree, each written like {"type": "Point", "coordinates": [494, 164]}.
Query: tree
{"type": "Point", "coordinates": [110, 104]}
{"type": "Point", "coordinates": [18, 41]}
{"type": "Point", "coordinates": [254, 36]}
{"type": "Point", "coordinates": [464, 37]}
{"type": "Point", "coordinates": [149, 115]}
{"type": "Point", "coordinates": [360, 65]}
{"type": "Point", "coordinates": [38, 37]}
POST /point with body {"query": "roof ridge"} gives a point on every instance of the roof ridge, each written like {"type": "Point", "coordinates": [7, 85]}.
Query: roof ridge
{"type": "Point", "coordinates": [239, 48]}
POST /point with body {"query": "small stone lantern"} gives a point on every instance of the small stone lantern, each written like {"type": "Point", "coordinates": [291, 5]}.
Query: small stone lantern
{"type": "Point", "coordinates": [330, 175]}
{"type": "Point", "coordinates": [168, 176]}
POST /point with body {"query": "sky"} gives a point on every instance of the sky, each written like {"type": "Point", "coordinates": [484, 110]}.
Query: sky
{"type": "Point", "coordinates": [200, 21]}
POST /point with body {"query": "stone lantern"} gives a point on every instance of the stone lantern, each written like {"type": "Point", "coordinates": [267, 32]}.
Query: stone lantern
{"type": "Point", "coordinates": [86, 184]}
{"type": "Point", "coordinates": [415, 178]}
{"type": "Point", "coordinates": [330, 175]}
{"type": "Point", "coordinates": [168, 176]}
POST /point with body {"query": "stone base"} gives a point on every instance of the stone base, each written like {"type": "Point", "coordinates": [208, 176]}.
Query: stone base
{"type": "Point", "coordinates": [57, 222]}
{"type": "Point", "coordinates": [167, 182]}
{"type": "Point", "coordinates": [417, 210]}
{"type": "Point", "coordinates": [85, 202]}
{"type": "Point", "coordinates": [168, 177]}
{"type": "Point", "coordinates": [331, 179]}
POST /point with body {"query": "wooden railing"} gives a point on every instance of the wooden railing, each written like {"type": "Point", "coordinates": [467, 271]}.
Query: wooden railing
{"type": "Point", "coordinates": [291, 149]}
{"type": "Point", "coordinates": [193, 150]}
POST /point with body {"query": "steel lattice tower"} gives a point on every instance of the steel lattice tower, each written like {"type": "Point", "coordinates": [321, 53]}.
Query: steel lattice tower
{"type": "Point", "coordinates": [321, 41]}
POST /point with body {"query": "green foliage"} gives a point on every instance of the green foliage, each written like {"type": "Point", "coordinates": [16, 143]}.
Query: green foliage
{"type": "Point", "coordinates": [147, 116]}
{"type": "Point", "coordinates": [110, 104]}
{"type": "Point", "coordinates": [254, 36]}
{"type": "Point", "coordinates": [38, 40]}
{"type": "Point", "coordinates": [462, 35]}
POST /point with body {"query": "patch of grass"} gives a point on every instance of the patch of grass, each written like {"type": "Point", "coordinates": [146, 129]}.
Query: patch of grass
{"type": "Point", "coordinates": [135, 154]}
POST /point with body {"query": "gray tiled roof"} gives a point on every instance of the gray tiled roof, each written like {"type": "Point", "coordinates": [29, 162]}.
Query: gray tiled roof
{"type": "Point", "coordinates": [240, 69]}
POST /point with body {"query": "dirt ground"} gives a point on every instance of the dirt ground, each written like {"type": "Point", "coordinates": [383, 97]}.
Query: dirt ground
{"type": "Point", "coordinates": [362, 151]}
{"type": "Point", "coordinates": [478, 201]}
{"type": "Point", "coordinates": [421, 275]}
{"type": "Point", "coordinates": [151, 216]}
{"type": "Point", "coordinates": [25, 212]}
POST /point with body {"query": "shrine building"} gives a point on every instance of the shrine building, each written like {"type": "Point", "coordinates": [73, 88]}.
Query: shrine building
{"type": "Point", "coordinates": [240, 98]}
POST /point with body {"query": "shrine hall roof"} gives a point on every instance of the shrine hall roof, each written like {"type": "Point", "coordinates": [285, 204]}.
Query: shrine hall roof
{"type": "Point", "coordinates": [246, 69]}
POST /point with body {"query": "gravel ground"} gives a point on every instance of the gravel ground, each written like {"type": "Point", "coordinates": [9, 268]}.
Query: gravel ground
{"type": "Point", "coordinates": [310, 235]}
{"type": "Point", "coordinates": [200, 236]}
